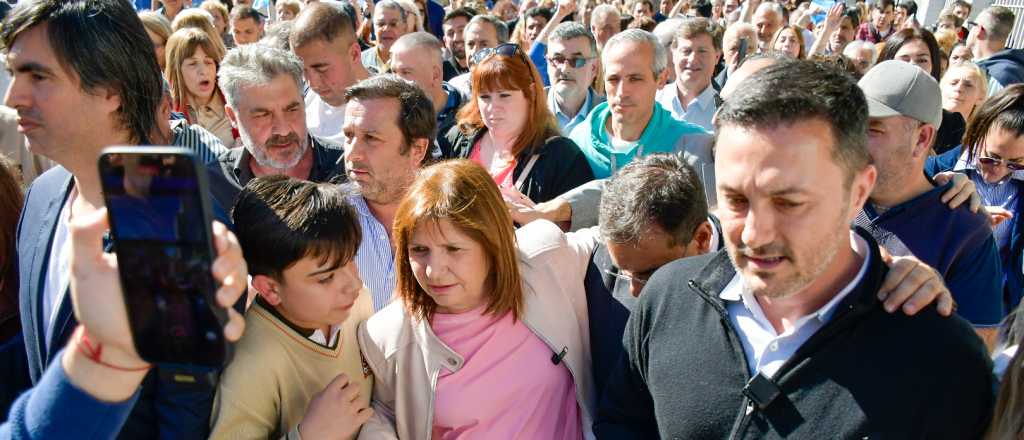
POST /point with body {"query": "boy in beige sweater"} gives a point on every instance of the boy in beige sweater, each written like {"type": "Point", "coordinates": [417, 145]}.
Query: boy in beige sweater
{"type": "Point", "coordinates": [299, 356]}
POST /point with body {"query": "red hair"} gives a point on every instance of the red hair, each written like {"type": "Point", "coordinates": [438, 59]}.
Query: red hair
{"type": "Point", "coordinates": [500, 72]}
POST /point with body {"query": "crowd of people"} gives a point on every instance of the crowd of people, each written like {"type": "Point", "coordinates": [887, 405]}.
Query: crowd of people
{"type": "Point", "coordinates": [578, 219]}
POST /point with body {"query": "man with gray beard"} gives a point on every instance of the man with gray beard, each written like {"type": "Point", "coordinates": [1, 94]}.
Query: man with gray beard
{"type": "Point", "coordinates": [263, 92]}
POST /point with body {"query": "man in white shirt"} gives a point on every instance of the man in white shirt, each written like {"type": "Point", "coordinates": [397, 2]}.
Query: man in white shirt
{"type": "Point", "coordinates": [696, 49]}
{"type": "Point", "coordinates": [324, 37]}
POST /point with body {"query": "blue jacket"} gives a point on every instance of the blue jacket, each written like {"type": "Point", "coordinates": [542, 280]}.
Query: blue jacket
{"type": "Point", "coordinates": [1013, 273]}
{"type": "Point", "coordinates": [1005, 66]}
{"type": "Point", "coordinates": [166, 408]}
{"type": "Point", "coordinates": [56, 409]}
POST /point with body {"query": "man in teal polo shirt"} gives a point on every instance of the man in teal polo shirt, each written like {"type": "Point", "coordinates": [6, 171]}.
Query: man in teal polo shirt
{"type": "Point", "coordinates": [631, 123]}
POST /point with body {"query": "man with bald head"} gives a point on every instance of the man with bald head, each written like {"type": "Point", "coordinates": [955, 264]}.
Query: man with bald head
{"type": "Point", "coordinates": [324, 37]}
{"type": "Point", "coordinates": [767, 19]}
{"type": "Point", "coordinates": [417, 57]}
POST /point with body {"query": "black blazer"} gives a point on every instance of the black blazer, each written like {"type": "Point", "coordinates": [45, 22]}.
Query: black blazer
{"type": "Point", "coordinates": [560, 167]}
{"type": "Point", "coordinates": [167, 408]}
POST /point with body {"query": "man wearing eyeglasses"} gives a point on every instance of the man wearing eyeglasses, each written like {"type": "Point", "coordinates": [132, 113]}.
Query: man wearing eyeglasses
{"type": "Point", "coordinates": [906, 212]}
{"type": "Point", "coordinates": [696, 49]}
{"type": "Point", "coordinates": [572, 67]}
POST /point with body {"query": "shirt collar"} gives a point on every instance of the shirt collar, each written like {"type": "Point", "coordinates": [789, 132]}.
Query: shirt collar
{"type": "Point", "coordinates": [584, 109]}
{"type": "Point", "coordinates": [735, 291]}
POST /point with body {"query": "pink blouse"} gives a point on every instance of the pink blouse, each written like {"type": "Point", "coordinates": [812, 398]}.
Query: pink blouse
{"type": "Point", "coordinates": [507, 387]}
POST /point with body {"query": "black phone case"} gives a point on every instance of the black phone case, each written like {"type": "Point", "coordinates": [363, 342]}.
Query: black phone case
{"type": "Point", "coordinates": [141, 346]}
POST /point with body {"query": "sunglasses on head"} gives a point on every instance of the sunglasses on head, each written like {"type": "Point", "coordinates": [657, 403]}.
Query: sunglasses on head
{"type": "Point", "coordinates": [506, 49]}
{"type": "Point", "coordinates": [991, 161]}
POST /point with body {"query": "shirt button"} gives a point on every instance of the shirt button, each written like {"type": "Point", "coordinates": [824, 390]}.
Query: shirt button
{"type": "Point", "coordinates": [774, 346]}
{"type": "Point", "coordinates": [452, 361]}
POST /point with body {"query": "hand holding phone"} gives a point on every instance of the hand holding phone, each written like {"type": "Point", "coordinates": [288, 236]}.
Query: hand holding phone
{"type": "Point", "coordinates": [159, 213]}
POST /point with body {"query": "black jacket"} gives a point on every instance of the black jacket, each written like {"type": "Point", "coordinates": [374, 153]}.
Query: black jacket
{"type": "Point", "coordinates": [560, 167]}
{"type": "Point", "coordinates": [865, 374]}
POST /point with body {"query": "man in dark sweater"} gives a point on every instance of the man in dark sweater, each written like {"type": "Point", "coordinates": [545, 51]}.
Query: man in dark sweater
{"type": "Point", "coordinates": [654, 211]}
{"type": "Point", "coordinates": [783, 335]}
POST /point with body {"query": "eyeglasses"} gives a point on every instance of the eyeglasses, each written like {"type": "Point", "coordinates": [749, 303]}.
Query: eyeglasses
{"type": "Point", "coordinates": [626, 278]}
{"type": "Point", "coordinates": [574, 62]}
{"type": "Point", "coordinates": [992, 162]}
{"type": "Point", "coordinates": [506, 49]}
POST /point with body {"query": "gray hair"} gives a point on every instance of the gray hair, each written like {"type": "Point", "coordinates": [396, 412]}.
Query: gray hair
{"type": "Point", "coordinates": [998, 21]}
{"type": "Point", "coordinates": [255, 65]}
{"type": "Point", "coordinates": [772, 6]}
{"type": "Point", "coordinates": [659, 190]}
{"type": "Point", "coordinates": [604, 9]}
{"type": "Point", "coordinates": [570, 30]}
{"type": "Point", "coordinates": [666, 30]}
{"type": "Point", "coordinates": [391, 4]}
{"type": "Point", "coordinates": [858, 45]}
{"type": "Point", "coordinates": [500, 28]}
{"type": "Point", "coordinates": [643, 37]}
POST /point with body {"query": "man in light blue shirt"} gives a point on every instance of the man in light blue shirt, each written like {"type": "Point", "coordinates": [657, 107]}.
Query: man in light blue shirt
{"type": "Point", "coordinates": [696, 49]}
{"type": "Point", "coordinates": [572, 67]}
{"type": "Point", "coordinates": [389, 126]}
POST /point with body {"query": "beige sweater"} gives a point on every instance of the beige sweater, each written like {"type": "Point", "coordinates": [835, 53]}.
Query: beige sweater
{"type": "Point", "coordinates": [276, 371]}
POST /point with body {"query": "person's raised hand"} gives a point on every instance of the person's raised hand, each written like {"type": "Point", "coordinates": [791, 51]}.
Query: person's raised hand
{"type": "Point", "coordinates": [565, 8]}
{"type": "Point", "coordinates": [961, 191]}
{"type": "Point", "coordinates": [834, 17]}
{"type": "Point", "coordinates": [335, 412]}
{"type": "Point", "coordinates": [911, 285]}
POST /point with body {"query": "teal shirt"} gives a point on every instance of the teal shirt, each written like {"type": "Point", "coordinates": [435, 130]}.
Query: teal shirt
{"type": "Point", "coordinates": [664, 134]}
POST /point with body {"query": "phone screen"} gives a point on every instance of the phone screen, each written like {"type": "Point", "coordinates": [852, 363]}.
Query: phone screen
{"type": "Point", "coordinates": [161, 233]}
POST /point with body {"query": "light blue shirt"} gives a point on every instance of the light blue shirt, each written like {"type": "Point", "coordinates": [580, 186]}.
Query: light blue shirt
{"type": "Point", "coordinates": [375, 259]}
{"type": "Point", "coordinates": [699, 111]}
{"type": "Point", "coordinates": [566, 123]}
{"type": "Point", "coordinates": [767, 350]}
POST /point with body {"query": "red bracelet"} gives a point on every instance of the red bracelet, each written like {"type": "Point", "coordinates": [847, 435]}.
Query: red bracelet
{"type": "Point", "coordinates": [93, 352]}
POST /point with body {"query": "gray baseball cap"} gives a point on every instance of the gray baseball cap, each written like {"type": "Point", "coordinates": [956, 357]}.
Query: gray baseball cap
{"type": "Point", "coordinates": [897, 88]}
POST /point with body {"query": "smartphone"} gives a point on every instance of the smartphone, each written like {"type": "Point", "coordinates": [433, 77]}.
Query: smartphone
{"type": "Point", "coordinates": [742, 51]}
{"type": "Point", "coordinates": [159, 209]}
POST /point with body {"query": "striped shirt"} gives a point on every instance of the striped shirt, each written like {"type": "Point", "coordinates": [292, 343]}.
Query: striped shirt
{"type": "Point", "coordinates": [375, 259]}
{"type": "Point", "coordinates": [204, 144]}
{"type": "Point", "coordinates": [1003, 194]}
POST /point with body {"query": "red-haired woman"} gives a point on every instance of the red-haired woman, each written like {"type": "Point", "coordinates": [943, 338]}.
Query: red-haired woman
{"type": "Point", "coordinates": [507, 128]}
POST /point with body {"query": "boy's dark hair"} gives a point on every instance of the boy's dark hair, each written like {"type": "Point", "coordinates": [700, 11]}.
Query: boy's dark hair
{"type": "Point", "coordinates": [280, 220]}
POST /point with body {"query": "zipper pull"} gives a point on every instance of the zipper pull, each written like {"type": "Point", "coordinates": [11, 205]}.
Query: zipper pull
{"type": "Point", "coordinates": [750, 409]}
{"type": "Point", "coordinates": [557, 357]}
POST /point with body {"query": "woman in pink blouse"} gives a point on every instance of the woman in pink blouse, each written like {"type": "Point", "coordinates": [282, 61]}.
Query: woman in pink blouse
{"type": "Point", "coordinates": [488, 335]}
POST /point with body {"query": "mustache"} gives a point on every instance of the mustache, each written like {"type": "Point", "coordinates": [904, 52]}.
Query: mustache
{"type": "Point", "coordinates": [771, 249]}
{"type": "Point", "coordinates": [290, 138]}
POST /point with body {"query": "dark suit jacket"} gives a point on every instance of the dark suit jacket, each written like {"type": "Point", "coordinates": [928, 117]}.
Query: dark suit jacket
{"type": "Point", "coordinates": [175, 402]}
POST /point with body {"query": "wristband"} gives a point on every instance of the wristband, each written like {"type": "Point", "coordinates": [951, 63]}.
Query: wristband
{"type": "Point", "coordinates": [94, 350]}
